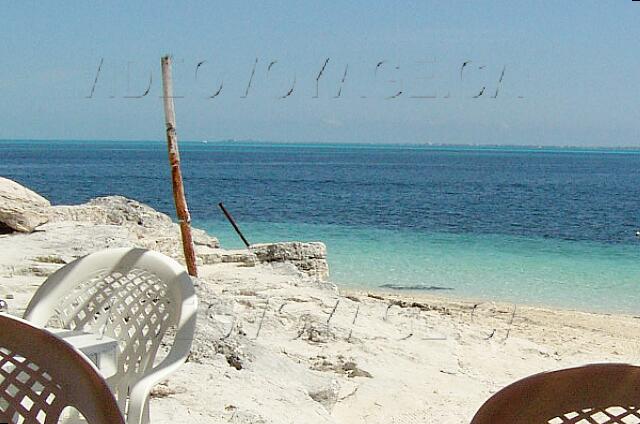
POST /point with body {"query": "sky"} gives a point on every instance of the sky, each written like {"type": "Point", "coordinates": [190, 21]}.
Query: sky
{"type": "Point", "coordinates": [570, 71]}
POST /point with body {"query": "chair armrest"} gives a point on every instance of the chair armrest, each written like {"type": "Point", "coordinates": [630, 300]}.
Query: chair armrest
{"type": "Point", "coordinates": [140, 391]}
{"type": "Point", "coordinates": [176, 357]}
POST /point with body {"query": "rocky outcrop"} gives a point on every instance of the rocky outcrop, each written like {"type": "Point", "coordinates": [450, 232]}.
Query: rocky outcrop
{"type": "Point", "coordinates": [155, 230]}
{"type": "Point", "coordinates": [115, 221]}
{"type": "Point", "coordinates": [143, 220]}
{"type": "Point", "coordinates": [310, 258]}
{"type": "Point", "coordinates": [20, 208]}
{"type": "Point", "coordinates": [111, 210]}
{"type": "Point", "coordinates": [210, 256]}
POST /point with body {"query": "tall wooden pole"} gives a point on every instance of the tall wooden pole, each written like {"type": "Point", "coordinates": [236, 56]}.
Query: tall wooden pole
{"type": "Point", "coordinates": [176, 175]}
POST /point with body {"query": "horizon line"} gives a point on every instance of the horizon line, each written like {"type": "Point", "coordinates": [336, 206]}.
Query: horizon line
{"type": "Point", "coordinates": [338, 143]}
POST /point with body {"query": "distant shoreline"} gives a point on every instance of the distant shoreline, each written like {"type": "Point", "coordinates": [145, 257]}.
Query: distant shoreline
{"type": "Point", "coordinates": [527, 148]}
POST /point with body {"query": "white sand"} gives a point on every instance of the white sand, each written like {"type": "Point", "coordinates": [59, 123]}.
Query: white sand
{"type": "Point", "coordinates": [434, 362]}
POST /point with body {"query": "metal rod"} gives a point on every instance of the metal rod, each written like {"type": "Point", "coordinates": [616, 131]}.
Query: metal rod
{"type": "Point", "coordinates": [233, 223]}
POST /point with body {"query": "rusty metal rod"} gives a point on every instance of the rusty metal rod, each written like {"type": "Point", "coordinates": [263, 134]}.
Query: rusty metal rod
{"type": "Point", "coordinates": [233, 223]}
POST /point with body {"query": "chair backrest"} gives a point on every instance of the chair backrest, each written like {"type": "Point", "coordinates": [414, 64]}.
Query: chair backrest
{"type": "Point", "coordinates": [41, 375]}
{"type": "Point", "coordinates": [597, 393]}
{"type": "Point", "coordinates": [129, 294]}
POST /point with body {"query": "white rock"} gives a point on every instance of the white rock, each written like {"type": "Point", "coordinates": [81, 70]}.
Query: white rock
{"type": "Point", "coordinates": [112, 210]}
{"type": "Point", "coordinates": [20, 208]}
{"type": "Point", "coordinates": [154, 229]}
{"type": "Point", "coordinates": [310, 258]}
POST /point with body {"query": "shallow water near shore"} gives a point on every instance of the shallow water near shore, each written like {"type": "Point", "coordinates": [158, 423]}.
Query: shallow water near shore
{"type": "Point", "coordinates": [583, 275]}
{"type": "Point", "coordinates": [541, 226]}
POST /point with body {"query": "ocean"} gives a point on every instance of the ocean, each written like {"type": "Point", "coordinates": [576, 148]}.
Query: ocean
{"type": "Point", "coordinates": [546, 226]}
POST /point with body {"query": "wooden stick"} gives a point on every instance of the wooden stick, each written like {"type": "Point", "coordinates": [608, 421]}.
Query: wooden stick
{"type": "Point", "coordinates": [176, 175]}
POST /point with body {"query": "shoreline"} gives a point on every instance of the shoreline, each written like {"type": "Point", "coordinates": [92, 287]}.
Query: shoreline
{"type": "Point", "coordinates": [274, 343]}
{"type": "Point", "coordinates": [469, 301]}
{"type": "Point", "coordinates": [582, 275]}
{"type": "Point", "coordinates": [467, 306]}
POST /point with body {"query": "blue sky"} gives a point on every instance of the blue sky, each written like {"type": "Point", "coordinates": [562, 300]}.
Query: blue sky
{"type": "Point", "coordinates": [571, 74]}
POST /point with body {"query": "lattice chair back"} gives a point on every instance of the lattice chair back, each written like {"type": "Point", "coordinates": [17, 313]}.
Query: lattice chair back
{"type": "Point", "coordinates": [41, 375]}
{"type": "Point", "coordinates": [135, 296]}
{"type": "Point", "coordinates": [598, 393]}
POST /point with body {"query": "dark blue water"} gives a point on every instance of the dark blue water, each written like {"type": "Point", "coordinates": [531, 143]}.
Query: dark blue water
{"type": "Point", "coordinates": [520, 210]}
{"type": "Point", "coordinates": [555, 194]}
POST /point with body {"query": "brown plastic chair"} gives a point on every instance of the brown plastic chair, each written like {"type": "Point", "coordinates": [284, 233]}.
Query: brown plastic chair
{"type": "Point", "coordinates": [41, 375]}
{"type": "Point", "coordinates": [598, 393]}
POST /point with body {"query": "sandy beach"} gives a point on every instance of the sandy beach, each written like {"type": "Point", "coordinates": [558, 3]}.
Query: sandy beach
{"type": "Point", "coordinates": [276, 344]}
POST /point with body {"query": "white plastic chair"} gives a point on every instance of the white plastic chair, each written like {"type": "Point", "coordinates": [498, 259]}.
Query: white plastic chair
{"type": "Point", "coordinates": [134, 296]}
{"type": "Point", "coordinates": [41, 375]}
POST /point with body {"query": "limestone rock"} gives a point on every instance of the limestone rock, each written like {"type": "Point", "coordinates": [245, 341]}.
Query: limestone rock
{"type": "Point", "coordinates": [142, 226]}
{"type": "Point", "coordinates": [155, 229]}
{"type": "Point", "coordinates": [245, 257]}
{"type": "Point", "coordinates": [210, 256]}
{"type": "Point", "coordinates": [310, 258]}
{"type": "Point", "coordinates": [20, 208]}
{"type": "Point", "coordinates": [111, 210]}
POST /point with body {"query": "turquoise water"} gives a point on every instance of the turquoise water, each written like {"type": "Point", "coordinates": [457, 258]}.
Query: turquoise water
{"type": "Point", "coordinates": [542, 226]}
{"type": "Point", "coordinates": [587, 275]}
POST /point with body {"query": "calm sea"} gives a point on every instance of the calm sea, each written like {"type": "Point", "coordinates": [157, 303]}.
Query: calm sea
{"type": "Point", "coordinates": [552, 227]}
